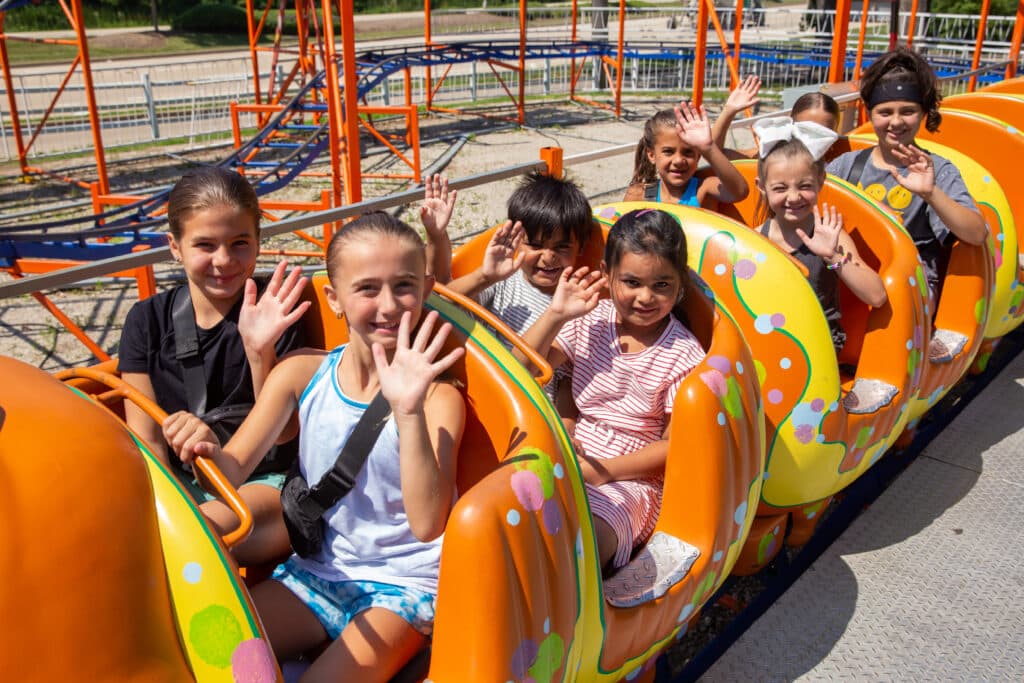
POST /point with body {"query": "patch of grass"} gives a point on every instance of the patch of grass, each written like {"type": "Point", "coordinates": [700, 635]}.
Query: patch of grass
{"type": "Point", "coordinates": [21, 52]}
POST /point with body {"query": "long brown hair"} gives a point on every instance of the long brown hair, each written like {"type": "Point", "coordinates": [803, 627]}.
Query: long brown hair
{"type": "Point", "coordinates": [903, 65]}
{"type": "Point", "coordinates": [643, 170]}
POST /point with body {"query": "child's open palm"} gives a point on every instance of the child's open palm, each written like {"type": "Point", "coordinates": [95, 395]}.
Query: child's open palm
{"type": "Point", "coordinates": [261, 323]}
{"type": "Point", "coordinates": [577, 292]}
{"type": "Point", "coordinates": [745, 95]}
{"type": "Point", "coordinates": [500, 258]}
{"type": "Point", "coordinates": [438, 205]}
{"type": "Point", "coordinates": [404, 380]}
{"type": "Point", "coordinates": [693, 126]}
{"type": "Point", "coordinates": [920, 175]}
{"type": "Point", "coordinates": [828, 225]}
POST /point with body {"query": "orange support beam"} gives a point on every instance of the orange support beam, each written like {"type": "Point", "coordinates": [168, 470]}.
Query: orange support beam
{"type": "Point", "coordinates": [978, 44]}
{"type": "Point", "coordinates": [837, 63]}
{"type": "Point", "coordinates": [350, 114]}
{"type": "Point", "coordinates": [552, 156]}
{"type": "Point", "coordinates": [1015, 41]}
{"type": "Point", "coordinates": [912, 23]}
{"type": "Point", "coordinates": [700, 50]}
{"type": "Point", "coordinates": [333, 100]}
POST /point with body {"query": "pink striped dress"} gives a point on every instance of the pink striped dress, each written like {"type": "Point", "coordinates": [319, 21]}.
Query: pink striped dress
{"type": "Point", "coordinates": [624, 400]}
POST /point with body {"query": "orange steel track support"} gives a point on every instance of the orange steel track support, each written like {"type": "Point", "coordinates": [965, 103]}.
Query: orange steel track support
{"type": "Point", "coordinates": [699, 50]}
{"type": "Point", "coordinates": [350, 121]}
{"type": "Point", "coordinates": [978, 44]}
{"type": "Point", "coordinates": [912, 23]}
{"type": "Point", "coordinates": [1015, 41]}
{"type": "Point", "coordinates": [72, 10]}
{"type": "Point", "coordinates": [837, 64]}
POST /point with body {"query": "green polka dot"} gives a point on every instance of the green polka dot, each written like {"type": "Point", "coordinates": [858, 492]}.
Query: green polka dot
{"type": "Point", "coordinates": [980, 308]}
{"type": "Point", "coordinates": [542, 466]}
{"type": "Point", "coordinates": [549, 659]}
{"type": "Point", "coordinates": [922, 284]}
{"type": "Point", "coordinates": [862, 436]}
{"type": "Point", "coordinates": [732, 401]}
{"type": "Point", "coordinates": [761, 372]}
{"type": "Point", "coordinates": [705, 587]}
{"type": "Point", "coordinates": [214, 633]}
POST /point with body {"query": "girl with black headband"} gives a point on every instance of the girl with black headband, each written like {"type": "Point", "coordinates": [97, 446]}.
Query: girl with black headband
{"type": "Point", "coordinates": [923, 190]}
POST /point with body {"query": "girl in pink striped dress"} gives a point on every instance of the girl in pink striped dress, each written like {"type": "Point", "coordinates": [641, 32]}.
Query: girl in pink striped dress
{"type": "Point", "coordinates": [627, 355]}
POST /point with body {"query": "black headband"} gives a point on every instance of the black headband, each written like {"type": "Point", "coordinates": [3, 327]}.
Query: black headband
{"type": "Point", "coordinates": [890, 91]}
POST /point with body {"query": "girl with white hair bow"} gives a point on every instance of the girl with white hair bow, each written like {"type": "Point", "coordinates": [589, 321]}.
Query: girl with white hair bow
{"type": "Point", "coordinates": [790, 174]}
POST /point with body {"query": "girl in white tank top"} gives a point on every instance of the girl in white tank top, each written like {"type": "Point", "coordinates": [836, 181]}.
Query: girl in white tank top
{"type": "Point", "coordinates": [384, 536]}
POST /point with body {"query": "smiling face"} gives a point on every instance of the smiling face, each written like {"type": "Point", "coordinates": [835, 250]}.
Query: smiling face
{"type": "Point", "coordinates": [790, 186]}
{"type": "Point", "coordinates": [218, 248]}
{"type": "Point", "coordinates": [544, 260]}
{"type": "Point", "coordinates": [644, 289]}
{"type": "Point", "coordinates": [375, 280]}
{"type": "Point", "coordinates": [896, 122]}
{"type": "Point", "coordinates": [675, 161]}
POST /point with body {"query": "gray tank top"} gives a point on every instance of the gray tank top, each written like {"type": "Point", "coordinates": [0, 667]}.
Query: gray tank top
{"type": "Point", "coordinates": [825, 283]}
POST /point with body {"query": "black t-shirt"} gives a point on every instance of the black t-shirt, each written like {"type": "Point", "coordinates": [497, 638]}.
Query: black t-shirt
{"type": "Point", "coordinates": [147, 346]}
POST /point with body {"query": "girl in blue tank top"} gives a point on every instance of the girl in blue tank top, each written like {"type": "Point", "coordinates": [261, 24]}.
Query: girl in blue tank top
{"type": "Point", "coordinates": [365, 602]}
{"type": "Point", "coordinates": [667, 156]}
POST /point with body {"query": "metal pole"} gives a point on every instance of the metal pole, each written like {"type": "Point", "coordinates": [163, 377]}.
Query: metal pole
{"type": "Point", "coordinates": [147, 92]}
{"type": "Point", "coordinates": [90, 95]}
{"type": "Point", "coordinates": [837, 64]}
{"type": "Point", "coordinates": [353, 161]}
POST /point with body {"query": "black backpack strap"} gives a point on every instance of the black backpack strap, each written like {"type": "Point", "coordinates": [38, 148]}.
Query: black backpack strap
{"type": "Point", "coordinates": [342, 477]}
{"type": "Point", "coordinates": [186, 350]}
{"type": "Point", "coordinates": [859, 162]}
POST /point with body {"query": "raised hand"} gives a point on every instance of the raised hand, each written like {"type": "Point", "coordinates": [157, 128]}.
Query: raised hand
{"type": "Point", "coordinates": [188, 436]}
{"type": "Point", "coordinates": [693, 126]}
{"type": "Point", "coordinates": [577, 292]}
{"type": "Point", "coordinates": [438, 204]}
{"type": "Point", "coordinates": [744, 96]}
{"type": "Point", "coordinates": [920, 170]}
{"type": "Point", "coordinates": [500, 258]}
{"type": "Point", "coordinates": [261, 323]}
{"type": "Point", "coordinates": [827, 227]}
{"type": "Point", "coordinates": [404, 380]}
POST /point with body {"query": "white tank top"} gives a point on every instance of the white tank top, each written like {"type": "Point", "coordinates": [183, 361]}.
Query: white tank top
{"type": "Point", "coordinates": [368, 536]}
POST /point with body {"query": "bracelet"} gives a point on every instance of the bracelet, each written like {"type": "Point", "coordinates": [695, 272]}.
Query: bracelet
{"type": "Point", "coordinates": [839, 264]}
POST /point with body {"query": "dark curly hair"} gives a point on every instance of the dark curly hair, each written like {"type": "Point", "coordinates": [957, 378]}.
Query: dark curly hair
{"type": "Point", "coordinates": [903, 65]}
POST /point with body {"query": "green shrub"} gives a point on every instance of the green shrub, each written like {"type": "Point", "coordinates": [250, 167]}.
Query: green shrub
{"type": "Point", "coordinates": [215, 18]}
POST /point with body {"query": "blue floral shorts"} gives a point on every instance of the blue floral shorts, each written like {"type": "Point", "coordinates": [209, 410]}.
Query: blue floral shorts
{"type": "Point", "coordinates": [336, 603]}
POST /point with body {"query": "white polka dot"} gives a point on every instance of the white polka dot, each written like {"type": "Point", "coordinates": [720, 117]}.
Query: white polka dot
{"type": "Point", "coordinates": [193, 572]}
{"type": "Point", "coordinates": [720, 269]}
{"type": "Point", "coordinates": [739, 368]}
{"type": "Point", "coordinates": [547, 625]}
{"type": "Point", "coordinates": [558, 471]}
{"type": "Point", "coordinates": [785, 363]}
{"type": "Point", "coordinates": [721, 419]}
{"type": "Point", "coordinates": [512, 517]}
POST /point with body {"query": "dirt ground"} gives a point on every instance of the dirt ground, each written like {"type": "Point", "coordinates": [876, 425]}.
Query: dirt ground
{"type": "Point", "coordinates": [30, 333]}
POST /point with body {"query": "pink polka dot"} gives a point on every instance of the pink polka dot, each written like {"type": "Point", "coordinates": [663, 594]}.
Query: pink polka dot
{"type": "Point", "coordinates": [528, 489]}
{"type": "Point", "coordinates": [251, 661]}
{"type": "Point", "coordinates": [745, 269]}
{"type": "Point", "coordinates": [715, 381]}
{"type": "Point", "coordinates": [778, 320]}
{"type": "Point", "coordinates": [775, 396]}
{"type": "Point", "coordinates": [804, 433]}
{"type": "Point", "coordinates": [817, 405]}
{"type": "Point", "coordinates": [720, 363]}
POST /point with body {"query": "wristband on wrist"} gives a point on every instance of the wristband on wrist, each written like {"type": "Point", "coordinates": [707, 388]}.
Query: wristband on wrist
{"type": "Point", "coordinates": [839, 264]}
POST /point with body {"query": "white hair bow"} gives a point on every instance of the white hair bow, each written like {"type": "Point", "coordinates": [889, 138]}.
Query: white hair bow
{"type": "Point", "coordinates": [816, 137]}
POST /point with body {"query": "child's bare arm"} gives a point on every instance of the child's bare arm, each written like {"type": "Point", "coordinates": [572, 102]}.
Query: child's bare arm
{"type": "Point", "coordinates": [139, 421]}
{"type": "Point", "coordinates": [831, 244]}
{"type": "Point", "coordinates": [744, 96]}
{"type": "Point", "coordinates": [429, 418]}
{"type": "Point", "coordinates": [189, 436]}
{"type": "Point", "coordinates": [262, 322]}
{"type": "Point", "coordinates": [435, 214]}
{"type": "Point", "coordinates": [500, 261]}
{"type": "Point", "coordinates": [647, 461]}
{"type": "Point", "coordinates": [967, 224]}
{"type": "Point", "coordinates": [576, 295]}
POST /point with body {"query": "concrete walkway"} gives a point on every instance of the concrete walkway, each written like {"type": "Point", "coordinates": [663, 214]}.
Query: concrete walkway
{"type": "Point", "coordinates": [925, 585]}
